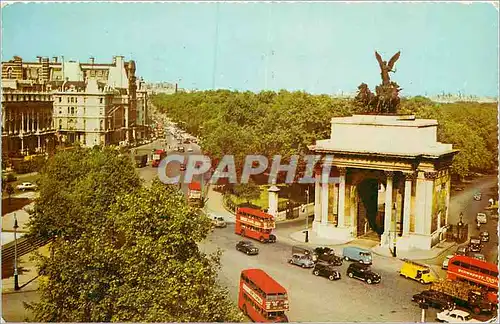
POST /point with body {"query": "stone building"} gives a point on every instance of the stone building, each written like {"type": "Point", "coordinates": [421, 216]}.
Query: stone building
{"type": "Point", "coordinates": [91, 103]}
{"type": "Point", "coordinates": [393, 181]}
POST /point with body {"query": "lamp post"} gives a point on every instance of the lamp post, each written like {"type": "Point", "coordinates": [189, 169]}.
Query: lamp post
{"type": "Point", "coordinates": [307, 217]}
{"type": "Point", "coordinates": [16, 276]}
{"type": "Point", "coordinates": [423, 307]}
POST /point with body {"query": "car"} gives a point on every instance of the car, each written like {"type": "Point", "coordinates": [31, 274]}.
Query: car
{"type": "Point", "coordinates": [26, 186]}
{"type": "Point", "coordinates": [477, 256]}
{"type": "Point", "coordinates": [219, 222]}
{"type": "Point", "coordinates": [455, 316]}
{"type": "Point", "coordinates": [302, 260]}
{"type": "Point", "coordinates": [326, 270]}
{"type": "Point", "coordinates": [475, 244]}
{"type": "Point", "coordinates": [481, 218]}
{"type": "Point", "coordinates": [326, 254]}
{"type": "Point", "coordinates": [435, 299]}
{"type": "Point", "coordinates": [446, 261]}
{"type": "Point", "coordinates": [363, 272]}
{"type": "Point", "coordinates": [477, 196]}
{"type": "Point", "coordinates": [462, 250]}
{"type": "Point", "coordinates": [247, 247]}
{"type": "Point", "coordinates": [190, 149]}
{"type": "Point", "coordinates": [180, 148]}
{"type": "Point", "coordinates": [485, 236]}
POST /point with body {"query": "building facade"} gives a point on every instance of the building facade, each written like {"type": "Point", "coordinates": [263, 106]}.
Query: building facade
{"type": "Point", "coordinates": [393, 181]}
{"type": "Point", "coordinates": [68, 101]}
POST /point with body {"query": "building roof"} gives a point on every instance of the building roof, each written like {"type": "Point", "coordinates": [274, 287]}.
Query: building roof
{"type": "Point", "coordinates": [264, 281]}
{"type": "Point", "coordinates": [255, 212]}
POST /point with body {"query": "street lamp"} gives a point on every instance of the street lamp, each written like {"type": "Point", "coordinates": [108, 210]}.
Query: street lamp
{"type": "Point", "coordinates": [16, 276]}
{"type": "Point", "coordinates": [423, 307]}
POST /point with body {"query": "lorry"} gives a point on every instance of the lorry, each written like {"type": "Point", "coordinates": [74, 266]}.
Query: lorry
{"type": "Point", "coordinates": [158, 155]}
{"type": "Point", "coordinates": [194, 194]}
{"type": "Point", "coordinates": [465, 295]}
{"type": "Point", "coordinates": [141, 160]}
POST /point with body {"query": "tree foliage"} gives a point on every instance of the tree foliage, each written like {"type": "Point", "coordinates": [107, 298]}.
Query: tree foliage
{"type": "Point", "coordinates": [284, 123]}
{"type": "Point", "coordinates": [124, 252]}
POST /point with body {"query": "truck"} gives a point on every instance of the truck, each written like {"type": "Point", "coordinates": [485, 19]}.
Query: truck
{"type": "Point", "coordinates": [194, 194]}
{"type": "Point", "coordinates": [158, 155]}
{"type": "Point", "coordinates": [465, 295]}
{"type": "Point", "coordinates": [141, 160]}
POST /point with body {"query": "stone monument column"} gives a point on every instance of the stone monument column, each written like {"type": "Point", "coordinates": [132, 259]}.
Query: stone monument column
{"type": "Point", "coordinates": [388, 208]}
{"type": "Point", "coordinates": [341, 197]}
{"type": "Point", "coordinates": [273, 200]}
{"type": "Point", "coordinates": [407, 203]}
{"type": "Point", "coordinates": [324, 198]}
{"type": "Point", "coordinates": [317, 197]}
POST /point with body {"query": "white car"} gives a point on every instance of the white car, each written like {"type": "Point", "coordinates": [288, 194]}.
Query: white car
{"type": "Point", "coordinates": [446, 261]}
{"type": "Point", "coordinates": [456, 316]}
{"type": "Point", "coordinates": [26, 186]}
{"type": "Point", "coordinates": [190, 149]}
{"type": "Point", "coordinates": [481, 218]}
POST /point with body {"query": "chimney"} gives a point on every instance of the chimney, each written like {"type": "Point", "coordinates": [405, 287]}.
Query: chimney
{"type": "Point", "coordinates": [54, 59]}
{"type": "Point", "coordinates": [176, 87]}
{"type": "Point", "coordinates": [114, 60]}
{"type": "Point", "coordinates": [91, 60]}
{"type": "Point", "coordinates": [39, 59]}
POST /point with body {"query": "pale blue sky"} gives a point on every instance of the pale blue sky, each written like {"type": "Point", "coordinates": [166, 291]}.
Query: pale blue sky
{"type": "Point", "coordinates": [316, 47]}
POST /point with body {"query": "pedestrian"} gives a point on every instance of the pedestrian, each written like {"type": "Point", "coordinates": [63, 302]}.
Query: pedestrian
{"type": "Point", "coordinates": [478, 225]}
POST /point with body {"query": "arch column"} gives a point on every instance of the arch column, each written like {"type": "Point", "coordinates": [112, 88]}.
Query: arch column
{"type": "Point", "coordinates": [317, 197]}
{"type": "Point", "coordinates": [324, 198]}
{"type": "Point", "coordinates": [341, 197]}
{"type": "Point", "coordinates": [388, 208]}
{"type": "Point", "coordinates": [407, 202]}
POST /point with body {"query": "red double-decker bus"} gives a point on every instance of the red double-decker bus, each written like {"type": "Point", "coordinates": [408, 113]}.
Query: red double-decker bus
{"type": "Point", "coordinates": [262, 298]}
{"type": "Point", "coordinates": [158, 155]}
{"type": "Point", "coordinates": [475, 272]}
{"type": "Point", "coordinates": [256, 224]}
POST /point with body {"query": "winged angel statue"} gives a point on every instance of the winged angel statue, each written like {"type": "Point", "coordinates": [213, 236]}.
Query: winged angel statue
{"type": "Point", "coordinates": [385, 67]}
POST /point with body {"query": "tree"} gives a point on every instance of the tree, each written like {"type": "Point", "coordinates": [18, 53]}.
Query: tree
{"type": "Point", "coordinates": [10, 190]}
{"type": "Point", "coordinates": [76, 189]}
{"type": "Point", "coordinates": [247, 191]}
{"type": "Point", "coordinates": [141, 263]}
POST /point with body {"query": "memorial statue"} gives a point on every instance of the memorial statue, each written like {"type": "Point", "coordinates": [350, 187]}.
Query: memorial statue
{"type": "Point", "coordinates": [385, 67]}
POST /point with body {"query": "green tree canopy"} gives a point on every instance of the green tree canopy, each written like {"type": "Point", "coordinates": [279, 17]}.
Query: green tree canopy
{"type": "Point", "coordinates": [133, 255]}
{"type": "Point", "coordinates": [285, 123]}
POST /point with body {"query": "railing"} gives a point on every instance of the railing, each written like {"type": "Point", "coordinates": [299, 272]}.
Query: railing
{"type": "Point", "coordinates": [24, 246]}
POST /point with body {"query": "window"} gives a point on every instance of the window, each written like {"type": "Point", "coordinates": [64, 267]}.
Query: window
{"type": "Point", "coordinates": [102, 124]}
{"type": "Point", "coordinates": [60, 99]}
{"type": "Point", "coordinates": [84, 124]}
{"type": "Point", "coordinates": [72, 110]}
{"type": "Point", "coordinates": [60, 123]}
{"type": "Point", "coordinates": [76, 99]}
{"type": "Point", "coordinates": [9, 73]}
{"type": "Point", "coordinates": [72, 99]}
{"type": "Point", "coordinates": [100, 100]}
{"type": "Point", "coordinates": [60, 110]}
{"type": "Point", "coordinates": [68, 110]}
{"type": "Point", "coordinates": [68, 99]}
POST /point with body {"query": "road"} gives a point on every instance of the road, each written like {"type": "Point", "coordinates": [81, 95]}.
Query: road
{"type": "Point", "coordinates": [347, 299]}
{"type": "Point", "coordinates": [344, 300]}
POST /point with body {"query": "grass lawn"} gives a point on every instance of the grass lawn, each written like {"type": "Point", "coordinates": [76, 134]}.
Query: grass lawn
{"type": "Point", "coordinates": [262, 202]}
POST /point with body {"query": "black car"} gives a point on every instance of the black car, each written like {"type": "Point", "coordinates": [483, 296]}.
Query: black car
{"type": "Point", "coordinates": [247, 247]}
{"type": "Point", "coordinates": [434, 299]}
{"type": "Point", "coordinates": [363, 272]}
{"type": "Point", "coordinates": [326, 270]}
{"type": "Point", "coordinates": [326, 254]}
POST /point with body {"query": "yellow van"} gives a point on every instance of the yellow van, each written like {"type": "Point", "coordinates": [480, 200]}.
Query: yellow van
{"type": "Point", "coordinates": [417, 271]}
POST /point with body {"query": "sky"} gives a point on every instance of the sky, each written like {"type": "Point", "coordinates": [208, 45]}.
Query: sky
{"type": "Point", "coordinates": [318, 47]}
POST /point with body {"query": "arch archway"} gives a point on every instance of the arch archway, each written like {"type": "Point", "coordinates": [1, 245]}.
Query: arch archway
{"type": "Point", "coordinates": [368, 206]}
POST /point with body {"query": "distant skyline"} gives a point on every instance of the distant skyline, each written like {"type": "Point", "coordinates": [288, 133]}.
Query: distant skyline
{"type": "Point", "coordinates": [316, 47]}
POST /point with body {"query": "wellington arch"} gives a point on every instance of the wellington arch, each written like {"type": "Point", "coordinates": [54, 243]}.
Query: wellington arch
{"type": "Point", "coordinates": [394, 181]}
